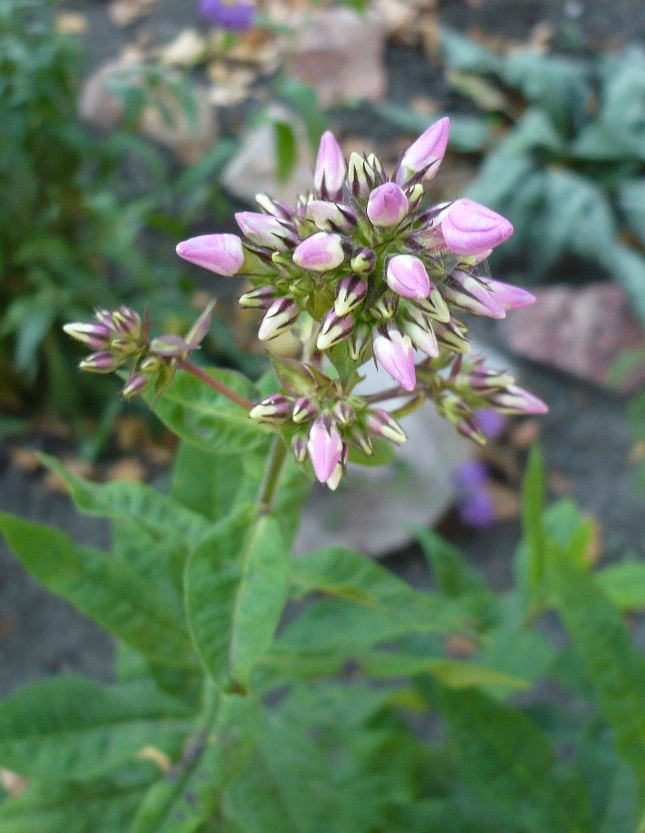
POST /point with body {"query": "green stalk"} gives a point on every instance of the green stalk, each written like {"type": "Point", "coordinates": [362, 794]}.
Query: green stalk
{"type": "Point", "coordinates": [269, 487]}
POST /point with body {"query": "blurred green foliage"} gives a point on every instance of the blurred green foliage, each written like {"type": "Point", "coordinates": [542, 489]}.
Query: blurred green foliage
{"type": "Point", "coordinates": [75, 232]}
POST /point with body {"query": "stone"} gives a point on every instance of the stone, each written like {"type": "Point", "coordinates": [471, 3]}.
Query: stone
{"type": "Point", "coordinates": [253, 169]}
{"type": "Point", "coordinates": [340, 53]}
{"type": "Point", "coordinates": [580, 330]}
{"type": "Point", "coordinates": [163, 117]}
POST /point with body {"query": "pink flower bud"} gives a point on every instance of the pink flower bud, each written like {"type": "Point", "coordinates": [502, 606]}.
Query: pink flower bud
{"type": "Point", "coordinates": [95, 336]}
{"type": "Point", "coordinates": [344, 413]}
{"type": "Point", "coordinates": [135, 385]}
{"type": "Point", "coordinates": [363, 260]}
{"type": "Point", "coordinates": [471, 295]}
{"type": "Point", "coordinates": [516, 400]}
{"type": "Point", "coordinates": [221, 253]}
{"type": "Point", "coordinates": [350, 293]}
{"type": "Point", "coordinates": [330, 168]}
{"type": "Point", "coordinates": [387, 205]}
{"type": "Point", "coordinates": [395, 352]}
{"type": "Point", "coordinates": [422, 338]}
{"type": "Point", "coordinates": [101, 362]}
{"type": "Point", "coordinates": [325, 447]}
{"type": "Point", "coordinates": [260, 298]}
{"type": "Point", "coordinates": [407, 276]}
{"type": "Point", "coordinates": [381, 424]}
{"type": "Point", "coordinates": [266, 231]}
{"type": "Point", "coordinates": [510, 297]}
{"type": "Point", "coordinates": [279, 318]}
{"type": "Point", "coordinates": [471, 228]}
{"type": "Point", "coordinates": [126, 320]}
{"type": "Point", "coordinates": [299, 448]}
{"type": "Point", "coordinates": [321, 252]}
{"type": "Point", "coordinates": [273, 207]}
{"type": "Point", "coordinates": [334, 329]}
{"type": "Point", "coordinates": [304, 409]}
{"type": "Point", "coordinates": [426, 153]}
{"type": "Point", "coordinates": [329, 216]}
{"type": "Point", "coordinates": [274, 409]}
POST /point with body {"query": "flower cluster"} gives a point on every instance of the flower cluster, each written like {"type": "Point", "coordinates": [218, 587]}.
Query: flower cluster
{"type": "Point", "coordinates": [323, 419]}
{"type": "Point", "coordinates": [361, 268]}
{"type": "Point", "coordinates": [122, 340]}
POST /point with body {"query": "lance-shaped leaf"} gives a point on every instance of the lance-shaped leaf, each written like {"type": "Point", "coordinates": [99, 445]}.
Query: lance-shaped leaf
{"type": "Point", "coordinates": [349, 575]}
{"type": "Point", "coordinates": [100, 805]}
{"type": "Point", "coordinates": [624, 584]}
{"type": "Point", "coordinates": [71, 727]}
{"type": "Point", "coordinates": [104, 588]}
{"type": "Point", "coordinates": [236, 586]}
{"type": "Point", "coordinates": [208, 419]}
{"type": "Point", "coordinates": [204, 482]}
{"type": "Point", "coordinates": [190, 795]}
{"type": "Point", "coordinates": [161, 516]}
{"type": "Point", "coordinates": [611, 661]}
{"type": "Point", "coordinates": [510, 765]}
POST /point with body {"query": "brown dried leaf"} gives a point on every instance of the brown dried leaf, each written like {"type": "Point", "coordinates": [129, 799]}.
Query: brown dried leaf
{"type": "Point", "coordinates": [125, 12]}
{"type": "Point", "coordinates": [505, 500]}
{"type": "Point", "coordinates": [71, 23]}
{"type": "Point", "coordinates": [13, 783]}
{"type": "Point", "coordinates": [188, 49]}
{"type": "Point", "coordinates": [54, 483]}
{"type": "Point", "coordinates": [129, 468]}
{"type": "Point", "coordinates": [460, 646]}
{"type": "Point", "coordinates": [523, 434]}
{"type": "Point", "coordinates": [25, 459]}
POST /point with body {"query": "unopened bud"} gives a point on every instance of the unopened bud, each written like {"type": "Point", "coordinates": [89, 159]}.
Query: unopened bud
{"type": "Point", "coordinates": [95, 336]}
{"type": "Point", "coordinates": [385, 307]}
{"type": "Point", "coordinates": [350, 293]}
{"type": "Point", "coordinates": [469, 294]}
{"type": "Point", "coordinates": [304, 409]}
{"type": "Point", "coordinates": [260, 298]}
{"type": "Point", "coordinates": [280, 317]}
{"type": "Point", "coordinates": [275, 409]}
{"type": "Point", "coordinates": [299, 448]}
{"type": "Point", "coordinates": [329, 174]}
{"type": "Point", "coordinates": [334, 329]}
{"type": "Point", "coordinates": [425, 154]}
{"type": "Point", "coordinates": [363, 261]}
{"type": "Point", "coordinates": [330, 216]}
{"type": "Point", "coordinates": [395, 353]}
{"type": "Point", "coordinates": [101, 362]}
{"type": "Point", "coordinates": [267, 231]}
{"type": "Point", "coordinates": [221, 253]}
{"type": "Point", "coordinates": [321, 252]}
{"type": "Point", "coordinates": [387, 205]}
{"type": "Point", "coordinates": [471, 228]}
{"type": "Point", "coordinates": [381, 424]}
{"type": "Point", "coordinates": [325, 447]}
{"type": "Point", "coordinates": [136, 384]}
{"type": "Point", "coordinates": [344, 414]}
{"type": "Point", "coordinates": [407, 276]}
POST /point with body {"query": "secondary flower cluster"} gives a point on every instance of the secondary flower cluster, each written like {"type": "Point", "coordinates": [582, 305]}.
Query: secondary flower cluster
{"type": "Point", "coordinates": [322, 419]}
{"type": "Point", "coordinates": [122, 339]}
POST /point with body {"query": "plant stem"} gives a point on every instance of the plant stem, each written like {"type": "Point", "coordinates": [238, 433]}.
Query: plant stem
{"type": "Point", "coordinates": [390, 393]}
{"type": "Point", "coordinates": [199, 373]}
{"type": "Point", "coordinates": [272, 474]}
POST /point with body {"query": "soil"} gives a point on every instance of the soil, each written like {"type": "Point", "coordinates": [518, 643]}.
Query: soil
{"type": "Point", "coordinates": [585, 437]}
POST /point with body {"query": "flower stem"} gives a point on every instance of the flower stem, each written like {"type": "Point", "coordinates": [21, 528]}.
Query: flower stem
{"type": "Point", "coordinates": [269, 487]}
{"type": "Point", "coordinates": [199, 373]}
{"type": "Point", "coordinates": [390, 393]}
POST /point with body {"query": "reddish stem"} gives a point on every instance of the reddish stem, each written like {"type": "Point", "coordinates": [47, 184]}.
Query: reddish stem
{"type": "Point", "coordinates": [199, 373]}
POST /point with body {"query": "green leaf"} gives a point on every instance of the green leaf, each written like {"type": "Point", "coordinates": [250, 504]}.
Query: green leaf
{"type": "Point", "coordinates": [159, 515]}
{"type": "Point", "coordinates": [627, 267]}
{"type": "Point", "coordinates": [534, 534]}
{"type": "Point", "coordinates": [510, 765]}
{"type": "Point", "coordinates": [190, 795]}
{"type": "Point", "coordinates": [353, 577]}
{"type": "Point", "coordinates": [463, 54]}
{"type": "Point", "coordinates": [236, 587]}
{"type": "Point", "coordinates": [205, 483]}
{"type": "Point", "coordinates": [624, 584]}
{"type": "Point", "coordinates": [101, 805]}
{"type": "Point", "coordinates": [631, 201]}
{"type": "Point", "coordinates": [286, 149]}
{"type": "Point", "coordinates": [103, 588]}
{"type": "Point", "coordinates": [208, 419]}
{"type": "Point", "coordinates": [612, 662]}
{"type": "Point", "coordinates": [452, 572]}
{"type": "Point", "coordinates": [71, 727]}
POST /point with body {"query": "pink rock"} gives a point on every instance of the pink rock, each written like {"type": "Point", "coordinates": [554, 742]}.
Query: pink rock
{"type": "Point", "coordinates": [579, 330]}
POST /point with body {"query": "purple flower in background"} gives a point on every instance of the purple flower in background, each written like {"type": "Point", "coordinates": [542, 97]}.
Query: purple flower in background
{"type": "Point", "coordinates": [474, 502]}
{"type": "Point", "coordinates": [237, 16]}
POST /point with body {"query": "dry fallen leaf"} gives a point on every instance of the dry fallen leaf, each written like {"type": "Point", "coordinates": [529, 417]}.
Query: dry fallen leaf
{"type": "Point", "coordinates": [506, 501]}
{"type": "Point", "coordinates": [459, 645]}
{"type": "Point", "coordinates": [71, 23]}
{"type": "Point", "coordinates": [125, 12]}
{"type": "Point", "coordinates": [129, 468]}
{"type": "Point", "coordinates": [13, 783]}
{"type": "Point", "coordinates": [523, 434]}
{"type": "Point", "coordinates": [25, 458]}
{"type": "Point", "coordinates": [188, 49]}
{"type": "Point", "coordinates": [558, 483]}
{"type": "Point", "coordinates": [55, 483]}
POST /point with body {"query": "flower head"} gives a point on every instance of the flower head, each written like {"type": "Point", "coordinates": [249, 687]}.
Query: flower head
{"type": "Point", "coordinates": [237, 16]}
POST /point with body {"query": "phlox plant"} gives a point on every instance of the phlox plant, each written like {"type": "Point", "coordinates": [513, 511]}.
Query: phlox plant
{"type": "Point", "coordinates": [235, 709]}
